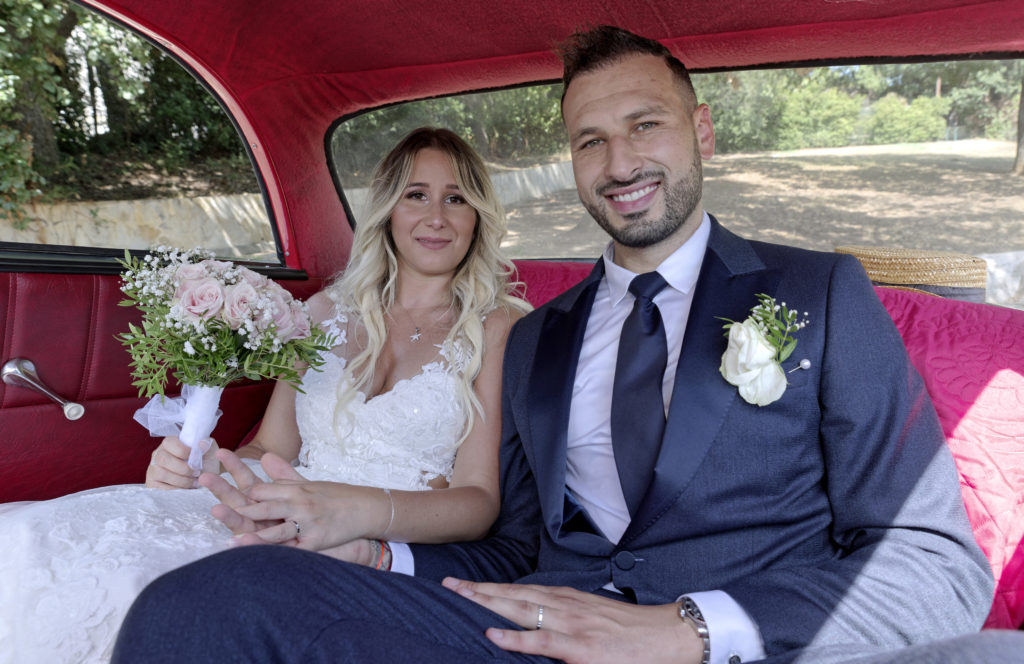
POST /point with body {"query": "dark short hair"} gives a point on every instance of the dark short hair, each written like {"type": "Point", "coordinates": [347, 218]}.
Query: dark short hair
{"type": "Point", "coordinates": [595, 48]}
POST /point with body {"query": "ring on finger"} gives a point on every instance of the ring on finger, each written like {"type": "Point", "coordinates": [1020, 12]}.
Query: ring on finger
{"type": "Point", "coordinates": [540, 616]}
{"type": "Point", "coordinates": [298, 530]}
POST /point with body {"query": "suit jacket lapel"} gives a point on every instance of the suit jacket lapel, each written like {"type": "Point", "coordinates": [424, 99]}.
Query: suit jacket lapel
{"type": "Point", "coordinates": [730, 278]}
{"type": "Point", "coordinates": [549, 397]}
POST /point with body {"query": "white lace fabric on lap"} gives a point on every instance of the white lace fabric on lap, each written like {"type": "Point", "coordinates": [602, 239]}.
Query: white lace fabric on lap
{"type": "Point", "coordinates": [71, 567]}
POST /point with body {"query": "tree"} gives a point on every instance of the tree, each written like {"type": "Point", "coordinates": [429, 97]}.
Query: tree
{"type": "Point", "coordinates": [746, 106]}
{"type": "Point", "coordinates": [1018, 162]}
{"type": "Point", "coordinates": [32, 79]}
{"type": "Point", "coordinates": [894, 120]}
{"type": "Point", "coordinates": [818, 116]}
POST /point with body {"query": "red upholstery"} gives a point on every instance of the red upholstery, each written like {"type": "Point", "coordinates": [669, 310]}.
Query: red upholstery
{"type": "Point", "coordinates": [542, 280]}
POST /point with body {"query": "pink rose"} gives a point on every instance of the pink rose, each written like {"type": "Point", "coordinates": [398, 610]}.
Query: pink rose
{"type": "Point", "coordinates": [188, 272]}
{"type": "Point", "coordinates": [254, 279]}
{"type": "Point", "coordinates": [280, 305]}
{"type": "Point", "coordinates": [238, 304]}
{"type": "Point", "coordinates": [300, 321]}
{"type": "Point", "coordinates": [202, 298]}
{"type": "Point", "coordinates": [215, 267]}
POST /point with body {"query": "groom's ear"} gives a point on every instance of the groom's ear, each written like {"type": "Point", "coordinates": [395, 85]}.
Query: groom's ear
{"type": "Point", "coordinates": [704, 129]}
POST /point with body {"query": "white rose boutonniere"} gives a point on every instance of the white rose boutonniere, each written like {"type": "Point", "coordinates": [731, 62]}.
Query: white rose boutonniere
{"type": "Point", "coordinates": [757, 348]}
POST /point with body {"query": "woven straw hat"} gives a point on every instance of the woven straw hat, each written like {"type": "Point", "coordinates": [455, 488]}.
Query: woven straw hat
{"type": "Point", "coordinates": [947, 274]}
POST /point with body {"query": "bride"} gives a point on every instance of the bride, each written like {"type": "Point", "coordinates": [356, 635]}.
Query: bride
{"type": "Point", "coordinates": [407, 400]}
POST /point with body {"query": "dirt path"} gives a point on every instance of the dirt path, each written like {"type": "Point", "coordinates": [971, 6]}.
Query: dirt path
{"type": "Point", "coordinates": [938, 196]}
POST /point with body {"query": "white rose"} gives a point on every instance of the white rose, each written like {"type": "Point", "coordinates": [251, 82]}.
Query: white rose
{"type": "Point", "coordinates": [766, 387]}
{"type": "Point", "coordinates": [749, 364]}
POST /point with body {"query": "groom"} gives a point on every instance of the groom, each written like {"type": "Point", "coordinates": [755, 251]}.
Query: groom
{"type": "Point", "coordinates": [692, 526]}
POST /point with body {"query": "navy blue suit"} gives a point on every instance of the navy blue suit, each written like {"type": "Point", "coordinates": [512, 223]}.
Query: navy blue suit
{"type": "Point", "coordinates": [835, 509]}
{"type": "Point", "coordinates": [832, 515]}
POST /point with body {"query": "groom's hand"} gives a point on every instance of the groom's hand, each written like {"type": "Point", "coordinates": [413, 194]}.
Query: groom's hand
{"type": "Point", "coordinates": [582, 627]}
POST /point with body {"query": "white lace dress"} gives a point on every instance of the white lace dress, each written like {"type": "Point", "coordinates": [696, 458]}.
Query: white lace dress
{"type": "Point", "coordinates": [71, 567]}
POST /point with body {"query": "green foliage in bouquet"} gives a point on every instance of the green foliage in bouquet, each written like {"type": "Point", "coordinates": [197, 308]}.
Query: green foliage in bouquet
{"type": "Point", "coordinates": [210, 322]}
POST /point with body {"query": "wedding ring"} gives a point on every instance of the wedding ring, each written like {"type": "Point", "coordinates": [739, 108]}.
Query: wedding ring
{"type": "Point", "coordinates": [540, 616]}
{"type": "Point", "coordinates": [298, 531]}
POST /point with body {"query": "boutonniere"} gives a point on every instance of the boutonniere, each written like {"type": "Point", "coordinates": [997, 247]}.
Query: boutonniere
{"type": "Point", "coordinates": [757, 348]}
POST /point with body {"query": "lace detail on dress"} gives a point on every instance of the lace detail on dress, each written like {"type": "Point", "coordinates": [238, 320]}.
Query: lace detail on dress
{"type": "Point", "coordinates": [71, 567]}
{"type": "Point", "coordinates": [402, 438]}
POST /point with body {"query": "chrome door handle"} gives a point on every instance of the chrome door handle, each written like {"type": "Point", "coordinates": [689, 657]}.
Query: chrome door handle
{"type": "Point", "coordinates": [22, 372]}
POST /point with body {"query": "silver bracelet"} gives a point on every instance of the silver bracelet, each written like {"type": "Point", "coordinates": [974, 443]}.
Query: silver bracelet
{"type": "Point", "coordinates": [689, 613]}
{"type": "Point", "coordinates": [391, 500]}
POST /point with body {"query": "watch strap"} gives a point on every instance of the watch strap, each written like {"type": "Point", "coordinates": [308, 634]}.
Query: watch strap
{"type": "Point", "coordinates": [690, 612]}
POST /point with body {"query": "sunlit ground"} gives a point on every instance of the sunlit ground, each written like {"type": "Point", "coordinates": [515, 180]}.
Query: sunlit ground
{"type": "Point", "coordinates": [950, 196]}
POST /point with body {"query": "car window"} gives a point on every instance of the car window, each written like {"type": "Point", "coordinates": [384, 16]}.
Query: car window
{"type": "Point", "coordinates": [109, 143]}
{"type": "Point", "coordinates": [914, 156]}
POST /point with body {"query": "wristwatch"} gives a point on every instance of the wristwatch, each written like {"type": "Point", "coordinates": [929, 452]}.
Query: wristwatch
{"type": "Point", "coordinates": [689, 613]}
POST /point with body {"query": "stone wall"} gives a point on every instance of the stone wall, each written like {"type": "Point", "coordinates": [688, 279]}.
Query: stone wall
{"type": "Point", "coordinates": [229, 225]}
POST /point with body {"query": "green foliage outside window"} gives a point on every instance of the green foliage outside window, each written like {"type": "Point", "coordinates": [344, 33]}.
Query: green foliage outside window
{"type": "Point", "coordinates": [893, 120]}
{"type": "Point", "coordinates": [84, 102]}
{"type": "Point", "coordinates": [816, 116]}
{"type": "Point", "coordinates": [510, 127]}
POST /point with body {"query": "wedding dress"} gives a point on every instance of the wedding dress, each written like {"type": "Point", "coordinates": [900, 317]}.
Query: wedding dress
{"type": "Point", "coordinates": [70, 567]}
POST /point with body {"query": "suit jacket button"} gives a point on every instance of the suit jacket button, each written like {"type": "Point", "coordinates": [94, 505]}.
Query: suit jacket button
{"type": "Point", "coordinates": [625, 560]}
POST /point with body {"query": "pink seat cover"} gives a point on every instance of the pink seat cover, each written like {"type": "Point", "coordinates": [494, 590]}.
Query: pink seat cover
{"type": "Point", "coordinates": [972, 359]}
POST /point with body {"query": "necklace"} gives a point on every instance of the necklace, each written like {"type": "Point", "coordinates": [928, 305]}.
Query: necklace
{"type": "Point", "coordinates": [417, 330]}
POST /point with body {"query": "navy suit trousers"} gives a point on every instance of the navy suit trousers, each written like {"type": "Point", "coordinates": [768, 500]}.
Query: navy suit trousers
{"type": "Point", "coordinates": [279, 604]}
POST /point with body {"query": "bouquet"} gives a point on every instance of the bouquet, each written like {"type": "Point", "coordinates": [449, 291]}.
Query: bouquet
{"type": "Point", "coordinates": [208, 323]}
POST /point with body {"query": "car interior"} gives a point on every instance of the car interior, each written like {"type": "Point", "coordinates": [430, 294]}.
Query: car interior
{"type": "Point", "coordinates": [312, 92]}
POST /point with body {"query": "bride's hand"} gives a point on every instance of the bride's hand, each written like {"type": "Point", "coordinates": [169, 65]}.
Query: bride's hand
{"type": "Point", "coordinates": [168, 466]}
{"type": "Point", "coordinates": [233, 498]}
{"type": "Point", "coordinates": [311, 515]}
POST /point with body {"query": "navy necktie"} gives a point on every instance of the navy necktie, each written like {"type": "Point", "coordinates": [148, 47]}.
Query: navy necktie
{"type": "Point", "coordinates": [638, 407]}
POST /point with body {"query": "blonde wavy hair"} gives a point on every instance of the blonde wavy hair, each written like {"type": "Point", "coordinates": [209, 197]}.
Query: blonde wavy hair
{"type": "Point", "coordinates": [483, 282]}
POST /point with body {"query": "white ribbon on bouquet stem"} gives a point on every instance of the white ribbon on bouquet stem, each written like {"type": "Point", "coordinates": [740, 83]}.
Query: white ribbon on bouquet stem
{"type": "Point", "coordinates": [191, 417]}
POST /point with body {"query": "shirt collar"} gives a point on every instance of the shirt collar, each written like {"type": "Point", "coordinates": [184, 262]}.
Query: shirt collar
{"type": "Point", "coordinates": [680, 269]}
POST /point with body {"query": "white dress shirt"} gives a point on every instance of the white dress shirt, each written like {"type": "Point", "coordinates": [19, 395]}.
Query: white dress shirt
{"type": "Point", "coordinates": [591, 474]}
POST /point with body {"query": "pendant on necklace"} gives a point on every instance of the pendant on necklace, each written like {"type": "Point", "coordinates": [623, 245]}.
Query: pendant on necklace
{"type": "Point", "coordinates": [415, 336]}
